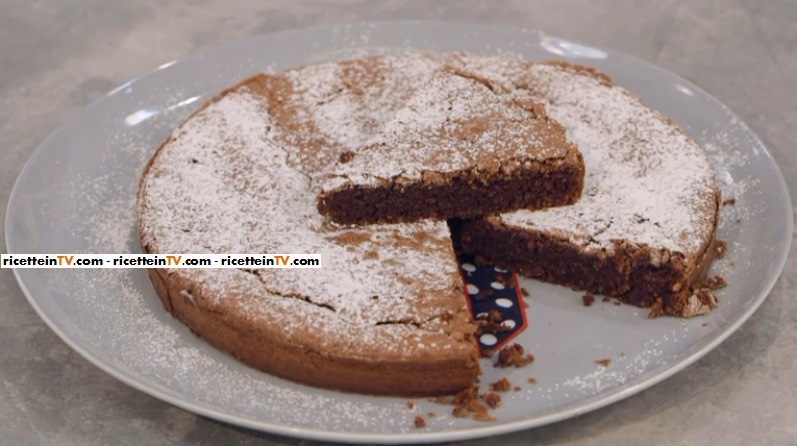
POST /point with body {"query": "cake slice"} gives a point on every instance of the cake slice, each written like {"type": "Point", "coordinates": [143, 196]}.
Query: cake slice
{"type": "Point", "coordinates": [643, 231]}
{"type": "Point", "coordinates": [454, 145]}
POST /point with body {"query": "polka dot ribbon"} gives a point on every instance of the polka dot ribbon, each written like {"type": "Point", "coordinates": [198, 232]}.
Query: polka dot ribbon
{"type": "Point", "coordinates": [495, 301]}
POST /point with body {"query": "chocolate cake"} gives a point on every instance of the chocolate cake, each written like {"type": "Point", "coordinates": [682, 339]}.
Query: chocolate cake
{"type": "Point", "coordinates": [387, 313]}
{"type": "Point", "coordinates": [643, 231]}
{"type": "Point", "coordinates": [454, 145]}
{"type": "Point", "coordinates": [269, 164]}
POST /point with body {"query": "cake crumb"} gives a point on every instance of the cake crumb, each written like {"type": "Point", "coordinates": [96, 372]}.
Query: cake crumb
{"type": "Point", "coordinates": [491, 323]}
{"type": "Point", "coordinates": [483, 416]}
{"type": "Point", "coordinates": [475, 406]}
{"type": "Point", "coordinates": [430, 414]}
{"type": "Point", "coordinates": [464, 395]}
{"type": "Point", "coordinates": [467, 406]}
{"type": "Point", "coordinates": [420, 422]}
{"type": "Point", "coordinates": [705, 324]}
{"type": "Point", "coordinates": [492, 399]}
{"type": "Point", "coordinates": [480, 260]}
{"type": "Point", "coordinates": [483, 294]}
{"type": "Point", "coordinates": [657, 309]}
{"type": "Point", "coordinates": [517, 389]}
{"type": "Point", "coordinates": [588, 299]}
{"type": "Point", "coordinates": [502, 385]}
{"type": "Point", "coordinates": [706, 297]}
{"type": "Point", "coordinates": [513, 356]}
{"type": "Point", "coordinates": [441, 399]}
{"type": "Point", "coordinates": [532, 380]}
{"type": "Point", "coordinates": [617, 302]}
{"type": "Point", "coordinates": [606, 299]}
{"type": "Point", "coordinates": [524, 292]}
{"type": "Point", "coordinates": [604, 362]}
{"type": "Point", "coordinates": [721, 247]}
{"type": "Point", "coordinates": [410, 404]}
{"type": "Point", "coordinates": [729, 202]}
{"type": "Point", "coordinates": [715, 283]}
{"type": "Point", "coordinates": [346, 156]}
{"type": "Point", "coordinates": [460, 412]}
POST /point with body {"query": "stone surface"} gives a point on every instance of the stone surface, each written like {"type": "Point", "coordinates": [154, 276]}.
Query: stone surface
{"type": "Point", "coordinates": [56, 56]}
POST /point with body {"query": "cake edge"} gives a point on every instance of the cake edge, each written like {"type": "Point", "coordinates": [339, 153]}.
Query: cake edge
{"type": "Point", "coordinates": [301, 364]}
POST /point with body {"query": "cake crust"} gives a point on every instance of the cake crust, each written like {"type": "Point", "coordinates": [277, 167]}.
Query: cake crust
{"type": "Point", "coordinates": [291, 359]}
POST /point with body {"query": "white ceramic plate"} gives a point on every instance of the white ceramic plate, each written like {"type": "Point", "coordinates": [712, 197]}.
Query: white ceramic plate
{"type": "Point", "coordinates": [76, 194]}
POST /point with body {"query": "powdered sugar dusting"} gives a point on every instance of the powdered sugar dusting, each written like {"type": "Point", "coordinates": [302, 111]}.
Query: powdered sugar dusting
{"type": "Point", "coordinates": [729, 146]}
{"type": "Point", "coordinates": [646, 181]}
{"type": "Point", "coordinates": [602, 378]}
{"type": "Point", "coordinates": [727, 156]}
{"type": "Point", "coordinates": [347, 103]}
{"type": "Point", "coordinates": [409, 114]}
{"type": "Point", "coordinates": [224, 184]}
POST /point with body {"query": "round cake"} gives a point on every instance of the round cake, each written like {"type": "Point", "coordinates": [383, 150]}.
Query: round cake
{"type": "Point", "coordinates": [256, 170]}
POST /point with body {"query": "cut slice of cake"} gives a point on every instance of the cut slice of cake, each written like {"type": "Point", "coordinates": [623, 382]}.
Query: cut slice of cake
{"type": "Point", "coordinates": [454, 145]}
{"type": "Point", "coordinates": [643, 231]}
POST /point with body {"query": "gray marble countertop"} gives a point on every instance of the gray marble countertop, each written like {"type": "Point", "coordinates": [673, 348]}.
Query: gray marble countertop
{"type": "Point", "coordinates": [57, 56]}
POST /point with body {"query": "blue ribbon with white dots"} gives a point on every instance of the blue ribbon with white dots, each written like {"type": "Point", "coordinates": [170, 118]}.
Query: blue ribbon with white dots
{"type": "Point", "coordinates": [495, 300]}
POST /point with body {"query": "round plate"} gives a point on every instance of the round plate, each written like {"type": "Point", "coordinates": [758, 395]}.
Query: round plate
{"type": "Point", "coordinates": [76, 194]}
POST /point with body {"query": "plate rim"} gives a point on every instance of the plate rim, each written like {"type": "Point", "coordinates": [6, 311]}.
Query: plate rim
{"type": "Point", "coordinates": [586, 405]}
